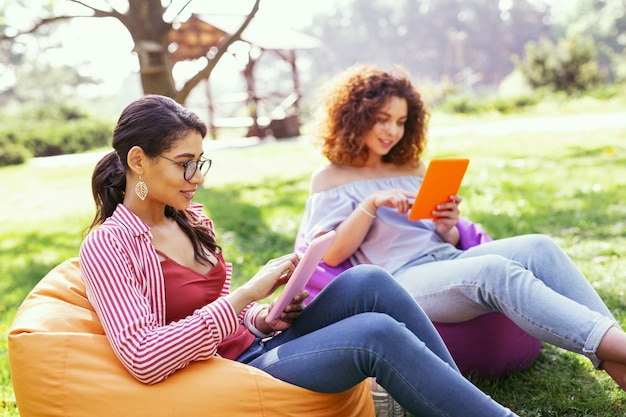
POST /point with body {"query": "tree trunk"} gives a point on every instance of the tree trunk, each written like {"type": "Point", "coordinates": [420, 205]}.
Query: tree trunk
{"type": "Point", "coordinates": [144, 21]}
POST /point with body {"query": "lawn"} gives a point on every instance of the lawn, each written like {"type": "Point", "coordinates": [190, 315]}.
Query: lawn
{"type": "Point", "coordinates": [566, 178]}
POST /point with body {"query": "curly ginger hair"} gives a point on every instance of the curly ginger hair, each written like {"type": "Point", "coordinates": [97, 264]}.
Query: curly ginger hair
{"type": "Point", "coordinates": [349, 106]}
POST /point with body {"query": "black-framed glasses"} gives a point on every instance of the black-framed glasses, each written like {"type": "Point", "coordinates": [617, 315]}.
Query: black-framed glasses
{"type": "Point", "coordinates": [190, 167]}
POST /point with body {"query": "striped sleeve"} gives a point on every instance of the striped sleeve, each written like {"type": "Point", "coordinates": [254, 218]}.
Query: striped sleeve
{"type": "Point", "coordinates": [119, 291]}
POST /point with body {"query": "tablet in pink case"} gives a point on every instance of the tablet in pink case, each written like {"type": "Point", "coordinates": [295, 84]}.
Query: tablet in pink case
{"type": "Point", "coordinates": [301, 275]}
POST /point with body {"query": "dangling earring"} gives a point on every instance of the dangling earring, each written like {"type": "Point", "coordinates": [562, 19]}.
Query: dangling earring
{"type": "Point", "coordinates": [141, 189]}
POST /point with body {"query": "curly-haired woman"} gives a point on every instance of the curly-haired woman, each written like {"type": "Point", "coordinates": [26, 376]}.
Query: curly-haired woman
{"type": "Point", "coordinates": [373, 131]}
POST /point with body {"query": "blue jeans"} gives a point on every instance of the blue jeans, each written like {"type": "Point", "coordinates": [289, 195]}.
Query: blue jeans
{"type": "Point", "coordinates": [527, 278]}
{"type": "Point", "coordinates": [363, 324]}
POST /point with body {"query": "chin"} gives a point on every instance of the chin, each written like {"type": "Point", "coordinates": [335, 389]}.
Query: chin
{"type": "Point", "coordinates": [181, 206]}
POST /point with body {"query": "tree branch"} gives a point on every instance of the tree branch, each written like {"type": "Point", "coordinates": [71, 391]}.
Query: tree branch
{"type": "Point", "coordinates": [50, 20]}
{"type": "Point", "coordinates": [204, 73]}
{"type": "Point", "coordinates": [111, 6]}
{"type": "Point", "coordinates": [181, 9]}
{"type": "Point", "coordinates": [99, 12]}
{"type": "Point", "coordinates": [42, 22]}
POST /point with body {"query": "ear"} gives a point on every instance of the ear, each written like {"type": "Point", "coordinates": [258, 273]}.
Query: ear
{"type": "Point", "coordinates": [136, 159]}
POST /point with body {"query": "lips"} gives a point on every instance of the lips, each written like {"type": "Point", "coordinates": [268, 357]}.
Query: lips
{"type": "Point", "coordinates": [386, 143]}
{"type": "Point", "coordinates": [189, 194]}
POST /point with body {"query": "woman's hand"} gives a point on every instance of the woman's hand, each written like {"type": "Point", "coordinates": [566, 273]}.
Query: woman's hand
{"type": "Point", "coordinates": [291, 312]}
{"type": "Point", "coordinates": [446, 217]}
{"type": "Point", "coordinates": [272, 275]}
{"type": "Point", "coordinates": [393, 198]}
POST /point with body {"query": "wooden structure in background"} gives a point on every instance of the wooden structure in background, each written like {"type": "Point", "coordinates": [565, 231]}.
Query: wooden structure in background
{"type": "Point", "coordinates": [199, 37]}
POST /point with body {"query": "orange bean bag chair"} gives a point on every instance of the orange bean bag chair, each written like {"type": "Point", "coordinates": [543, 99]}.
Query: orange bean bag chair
{"type": "Point", "coordinates": [62, 365]}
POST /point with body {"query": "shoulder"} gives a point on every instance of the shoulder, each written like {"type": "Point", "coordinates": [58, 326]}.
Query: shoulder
{"type": "Point", "coordinates": [330, 176]}
{"type": "Point", "coordinates": [109, 241]}
{"type": "Point", "coordinates": [333, 175]}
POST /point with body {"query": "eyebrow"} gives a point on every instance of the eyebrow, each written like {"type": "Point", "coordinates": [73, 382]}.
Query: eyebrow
{"type": "Point", "coordinates": [384, 113]}
{"type": "Point", "coordinates": [188, 155]}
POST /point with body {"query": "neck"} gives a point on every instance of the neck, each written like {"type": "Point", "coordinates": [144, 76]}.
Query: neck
{"type": "Point", "coordinates": [150, 213]}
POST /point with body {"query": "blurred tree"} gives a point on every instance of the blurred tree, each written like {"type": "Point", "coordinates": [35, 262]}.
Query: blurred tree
{"type": "Point", "coordinates": [10, 57]}
{"type": "Point", "coordinates": [568, 65]}
{"type": "Point", "coordinates": [468, 41]}
{"type": "Point", "coordinates": [24, 77]}
{"type": "Point", "coordinates": [149, 28]}
{"type": "Point", "coordinates": [604, 23]}
{"type": "Point", "coordinates": [44, 83]}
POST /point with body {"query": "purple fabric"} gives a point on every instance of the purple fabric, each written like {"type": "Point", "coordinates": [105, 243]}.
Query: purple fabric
{"type": "Point", "coordinates": [471, 234]}
{"type": "Point", "coordinates": [489, 345]}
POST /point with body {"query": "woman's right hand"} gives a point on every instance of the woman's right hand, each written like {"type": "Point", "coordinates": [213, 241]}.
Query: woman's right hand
{"type": "Point", "coordinates": [352, 231]}
{"type": "Point", "coordinates": [273, 274]}
{"type": "Point", "coordinates": [393, 198]}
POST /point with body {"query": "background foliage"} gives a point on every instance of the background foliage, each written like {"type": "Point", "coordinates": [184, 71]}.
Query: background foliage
{"type": "Point", "coordinates": [467, 44]}
{"type": "Point", "coordinates": [57, 129]}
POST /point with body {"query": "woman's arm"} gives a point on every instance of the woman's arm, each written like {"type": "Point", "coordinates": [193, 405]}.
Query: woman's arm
{"type": "Point", "coordinates": [149, 349]}
{"type": "Point", "coordinates": [351, 232]}
{"type": "Point", "coordinates": [353, 229]}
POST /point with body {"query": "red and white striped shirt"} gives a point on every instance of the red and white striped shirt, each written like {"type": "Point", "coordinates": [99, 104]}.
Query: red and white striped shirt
{"type": "Point", "coordinates": [125, 285]}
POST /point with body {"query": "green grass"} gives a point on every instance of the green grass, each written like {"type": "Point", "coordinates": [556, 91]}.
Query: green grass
{"type": "Point", "coordinates": [569, 184]}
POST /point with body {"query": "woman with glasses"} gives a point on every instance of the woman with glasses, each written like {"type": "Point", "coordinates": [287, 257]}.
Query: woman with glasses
{"type": "Point", "coordinates": [159, 284]}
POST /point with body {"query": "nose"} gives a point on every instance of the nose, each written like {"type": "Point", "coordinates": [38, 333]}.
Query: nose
{"type": "Point", "coordinates": [197, 178]}
{"type": "Point", "coordinates": [391, 128]}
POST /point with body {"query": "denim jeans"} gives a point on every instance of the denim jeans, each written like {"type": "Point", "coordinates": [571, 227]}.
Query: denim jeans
{"type": "Point", "coordinates": [363, 324]}
{"type": "Point", "coordinates": [527, 278]}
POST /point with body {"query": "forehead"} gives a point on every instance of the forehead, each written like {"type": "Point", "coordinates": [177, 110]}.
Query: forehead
{"type": "Point", "coordinates": [396, 106]}
{"type": "Point", "coordinates": [189, 143]}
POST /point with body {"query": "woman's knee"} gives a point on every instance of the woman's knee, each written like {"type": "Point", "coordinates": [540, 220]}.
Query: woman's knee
{"type": "Point", "coordinates": [364, 275]}
{"type": "Point", "coordinates": [491, 266]}
{"type": "Point", "coordinates": [379, 327]}
{"type": "Point", "coordinates": [537, 243]}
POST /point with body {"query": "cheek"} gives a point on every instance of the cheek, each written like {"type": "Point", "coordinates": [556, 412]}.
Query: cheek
{"type": "Point", "coordinates": [168, 184]}
{"type": "Point", "coordinates": [368, 136]}
{"type": "Point", "coordinates": [377, 130]}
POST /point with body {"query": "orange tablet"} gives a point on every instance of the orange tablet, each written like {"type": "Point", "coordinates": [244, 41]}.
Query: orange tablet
{"type": "Point", "coordinates": [442, 179]}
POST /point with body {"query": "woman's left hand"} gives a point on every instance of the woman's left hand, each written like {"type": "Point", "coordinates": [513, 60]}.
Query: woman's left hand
{"type": "Point", "coordinates": [446, 216]}
{"type": "Point", "coordinates": [289, 314]}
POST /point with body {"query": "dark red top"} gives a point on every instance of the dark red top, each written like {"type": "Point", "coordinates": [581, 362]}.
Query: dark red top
{"type": "Point", "coordinates": [186, 290]}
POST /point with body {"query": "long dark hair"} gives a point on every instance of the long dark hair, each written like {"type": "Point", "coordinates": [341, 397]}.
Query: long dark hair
{"type": "Point", "coordinates": [154, 123]}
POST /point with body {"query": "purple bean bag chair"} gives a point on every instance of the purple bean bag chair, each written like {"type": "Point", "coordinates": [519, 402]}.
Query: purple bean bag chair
{"type": "Point", "coordinates": [486, 346]}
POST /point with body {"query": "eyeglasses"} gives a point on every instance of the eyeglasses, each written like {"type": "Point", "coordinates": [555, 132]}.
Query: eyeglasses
{"type": "Point", "coordinates": [192, 166]}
